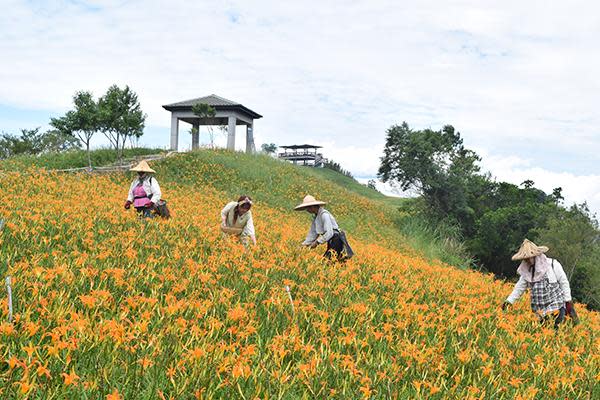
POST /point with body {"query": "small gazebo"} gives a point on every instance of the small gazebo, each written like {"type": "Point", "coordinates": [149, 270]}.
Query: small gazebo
{"type": "Point", "coordinates": [303, 154]}
{"type": "Point", "coordinates": [227, 113]}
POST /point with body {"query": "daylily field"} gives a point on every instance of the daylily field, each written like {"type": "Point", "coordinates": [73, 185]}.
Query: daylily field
{"type": "Point", "coordinates": [111, 307]}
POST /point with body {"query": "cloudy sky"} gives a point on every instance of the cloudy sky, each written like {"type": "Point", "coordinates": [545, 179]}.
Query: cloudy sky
{"type": "Point", "coordinates": [519, 80]}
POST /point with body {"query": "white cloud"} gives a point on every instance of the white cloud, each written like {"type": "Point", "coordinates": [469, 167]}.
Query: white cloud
{"type": "Point", "coordinates": [514, 77]}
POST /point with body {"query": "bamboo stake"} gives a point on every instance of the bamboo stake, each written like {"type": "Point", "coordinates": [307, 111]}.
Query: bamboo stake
{"type": "Point", "coordinates": [287, 289]}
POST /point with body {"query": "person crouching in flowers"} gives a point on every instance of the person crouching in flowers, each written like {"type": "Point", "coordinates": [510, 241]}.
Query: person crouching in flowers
{"type": "Point", "coordinates": [547, 282]}
{"type": "Point", "coordinates": [144, 192]}
{"type": "Point", "coordinates": [236, 219]}
{"type": "Point", "coordinates": [324, 229]}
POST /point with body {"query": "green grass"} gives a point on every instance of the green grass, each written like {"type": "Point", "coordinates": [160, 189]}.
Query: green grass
{"type": "Point", "coordinates": [71, 159]}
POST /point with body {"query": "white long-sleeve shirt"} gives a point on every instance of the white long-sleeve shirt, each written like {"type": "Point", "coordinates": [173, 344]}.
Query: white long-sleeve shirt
{"type": "Point", "coordinates": [150, 185]}
{"type": "Point", "coordinates": [556, 274]}
{"type": "Point", "coordinates": [322, 228]}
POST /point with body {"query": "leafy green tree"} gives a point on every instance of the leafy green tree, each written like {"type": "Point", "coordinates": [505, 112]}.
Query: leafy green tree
{"type": "Point", "coordinates": [120, 117]}
{"type": "Point", "coordinates": [436, 165]}
{"type": "Point", "coordinates": [34, 142]}
{"type": "Point", "coordinates": [82, 122]}
{"type": "Point", "coordinates": [269, 148]}
{"type": "Point", "coordinates": [499, 232]}
{"type": "Point", "coordinates": [55, 141]}
{"type": "Point", "coordinates": [27, 143]}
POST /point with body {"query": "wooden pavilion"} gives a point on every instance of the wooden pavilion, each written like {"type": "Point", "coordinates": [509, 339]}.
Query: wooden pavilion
{"type": "Point", "coordinates": [303, 154]}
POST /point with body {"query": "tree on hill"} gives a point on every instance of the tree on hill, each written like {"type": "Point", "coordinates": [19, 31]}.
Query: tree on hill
{"type": "Point", "coordinates": [436, 165]}
{"type": "Point", "coordinates": [269, 148]}
{"type": "Point", "coordinates": [120, 117]}
{"type": "Point", "coordinates": [34, 142]}
{"type": "Point", "coordinates": [334, 166]}
{"type": "Point", "coordinates": [82, 122]}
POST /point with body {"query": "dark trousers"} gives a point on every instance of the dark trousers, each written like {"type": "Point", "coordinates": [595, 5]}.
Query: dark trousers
{"type": "Point", "coordinates": [144, 212]}
{"type": "Point", "coordinates": [335, 244]}
{"type": "Point", "coordinates": [559, 318]}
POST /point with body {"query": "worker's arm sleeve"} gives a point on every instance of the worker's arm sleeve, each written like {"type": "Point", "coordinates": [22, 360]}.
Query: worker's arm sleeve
{"type": "Point", "coordinates": [563, 281]}
{"type": "Point", "coordinates": [327, 227]}
{"type": "Point", "coordinates": [130, 195]}
{"type": "Point", "coordinates": [156, 193]}
{"type": "Point", "coordinates": [312, 235]}
{"type": "Point", "coordinates": [520, 288]}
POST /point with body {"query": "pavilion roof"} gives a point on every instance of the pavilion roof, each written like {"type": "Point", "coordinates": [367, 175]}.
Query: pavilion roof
{"type": "Point", "coordinates": [301, 146]}
{"type": "Point", "coordinates": [217, 102]}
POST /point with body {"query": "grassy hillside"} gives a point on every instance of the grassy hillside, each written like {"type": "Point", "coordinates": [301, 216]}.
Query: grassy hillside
{"type": "Point", "coordinates": [70, 159]}
{"type": "Point", "coordinates": [108, 306]}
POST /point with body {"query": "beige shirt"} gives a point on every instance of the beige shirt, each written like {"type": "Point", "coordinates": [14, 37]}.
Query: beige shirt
{"type": "Point", "coordinates": [243, 221]}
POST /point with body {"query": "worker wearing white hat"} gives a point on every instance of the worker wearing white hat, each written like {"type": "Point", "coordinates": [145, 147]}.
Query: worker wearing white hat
{"type": "Point", "coordinates": [324, 229]}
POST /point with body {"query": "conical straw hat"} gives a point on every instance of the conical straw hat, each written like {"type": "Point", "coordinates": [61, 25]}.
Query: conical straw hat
{"type": "Point", "coordinates": [528, 250]}
{"type": "Point", "coordinates": [309, 201]}
{"type": "Point", "coordinates": [143, 167]}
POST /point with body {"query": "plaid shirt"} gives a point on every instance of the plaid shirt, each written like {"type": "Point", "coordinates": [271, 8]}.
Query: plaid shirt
{"type": "Point", "coordinates": [546, 297]}
{"type": "Point", "coordinates": [555, 274]}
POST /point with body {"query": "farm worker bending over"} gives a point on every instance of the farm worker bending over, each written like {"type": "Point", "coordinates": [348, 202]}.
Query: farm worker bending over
{"type": "Point", "coordinates": [144, 192]}
{"type": "Point", "coordinates": [236, 219]}
{"type": "Point", "coordinates": [547, 282]}
{"type": "Point", "coordinates": [324, 229]}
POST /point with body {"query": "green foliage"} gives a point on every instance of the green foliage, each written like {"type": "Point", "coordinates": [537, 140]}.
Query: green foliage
{"type": "Point", "coordinates": [437, 165]}
{"type": "Point", "coordinates": [499, 232]}
{"type": "Point", "coordinates": [269, 148]}
{"type": "Point", "coordinates": [439, 240]}
{"type": "Point", "coordinates": [332, 165]}
{"type": "Point", "coordinates": [54, 141]}
{"type": "Point", "coordinates": [120, 117]}
{"type": "Point", "coordinates": [82, 122]}
{"type": "Point", "coordinates": [34, 142]}
{"type": "Point", "coordinates": [204, 110]}
{"type": "Point", "coordinates": [573, 238]}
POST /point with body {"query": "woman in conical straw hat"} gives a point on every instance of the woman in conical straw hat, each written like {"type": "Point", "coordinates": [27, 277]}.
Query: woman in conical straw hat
{"type": "Point", "coordinates": [548, 284]}
{"type": "Point", "coordinates": [144, 192]}
{"type": "Point", "coordinates": [236, 219]}
{"type": "Point", "coordinates": [324, 229]}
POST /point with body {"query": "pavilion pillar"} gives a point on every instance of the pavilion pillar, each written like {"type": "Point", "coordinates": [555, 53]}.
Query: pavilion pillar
{"type": "Point", "coordinates": [174, 132]}
{"type": "Point", "coordinates": [250, 148]}
{"type": "Point", "coordinates": [196, 135]}
{"type": "Point", "coordinates": [231, 133]}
